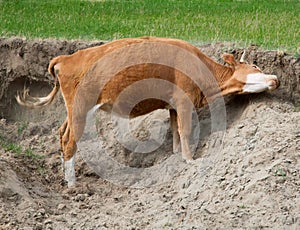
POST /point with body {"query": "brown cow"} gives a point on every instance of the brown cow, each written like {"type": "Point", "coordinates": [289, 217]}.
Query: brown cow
{"type": "Point", "coordinates": [99, 75]}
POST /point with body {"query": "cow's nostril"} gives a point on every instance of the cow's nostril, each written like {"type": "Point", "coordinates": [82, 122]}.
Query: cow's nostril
{"type": "Point", "coordinates": [278, 83]}
{"type": "Point", "coordinates": [274, 84]}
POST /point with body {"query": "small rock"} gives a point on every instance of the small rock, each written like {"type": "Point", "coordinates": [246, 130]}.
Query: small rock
{"type": "Point", "coordinates": [73, 213]}
{"type": "Point", "coordinates": [186, 184]}
{"type": "Point", "coordinates": [38, 226]}
{"type": "Point", "coordinates": [290, 220]}
{"type": "Point", "coordinates": [138, 210]}
{"type": "Point", "coordinates": [49, 221]}
{"type": "Point", "coordinates": [61, 206]}
{"type": "Point", "coordinates": [83, 206]}
{"type": "Point", "coordinates": [280, 180]}
{"type": "Point", "coordinates": [104, 224]}
{"type": "Point", "coordinates": [42, 211]}
{"type": "Point", "coordinates": [61, 219]}
{"type": "Point", "coordinates": [221, 179]}
{"type": "Point", "coordinates": [289, 161]}
{"type": "Point", "coordinates": [48, 224]}
{"type": "Point", "coordinates": [96, 217]}
{"type": "Point", "coordinates": [240, 126]}
{"type": "Point", "coordinates": [80, 197]}
{"type": "Point", "coordinates": [117, 198]}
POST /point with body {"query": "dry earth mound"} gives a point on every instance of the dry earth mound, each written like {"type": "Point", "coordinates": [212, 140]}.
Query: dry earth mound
{"type": "Point", "coordinates": [252, 181]}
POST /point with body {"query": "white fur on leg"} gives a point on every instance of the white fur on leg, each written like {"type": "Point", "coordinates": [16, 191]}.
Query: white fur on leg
{"type": "Point", "coordinates": [62, 161]}
{"type": "Point", "coordinates": [70, 171]}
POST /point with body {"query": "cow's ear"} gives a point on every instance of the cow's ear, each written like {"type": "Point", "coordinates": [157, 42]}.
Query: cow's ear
{"type": "Point", "coordinates": [229, 59]}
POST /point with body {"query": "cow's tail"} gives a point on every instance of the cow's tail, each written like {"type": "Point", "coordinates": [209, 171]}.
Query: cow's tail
{"type": "Point", "coordinates": [23, 98]}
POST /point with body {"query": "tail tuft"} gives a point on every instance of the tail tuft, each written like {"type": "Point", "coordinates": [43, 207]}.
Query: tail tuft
{"type": "Point", "coordinates": [24, 99]}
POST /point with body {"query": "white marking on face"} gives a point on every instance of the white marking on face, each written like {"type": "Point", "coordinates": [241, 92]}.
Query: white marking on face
{"type": "Point", "coordinates": [70, 171]}
{"type": "Point", "coordinates": [259, 82]}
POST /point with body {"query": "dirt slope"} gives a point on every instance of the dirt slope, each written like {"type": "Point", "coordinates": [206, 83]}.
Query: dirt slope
{"type": "Point", "coordinates": [251, 181]}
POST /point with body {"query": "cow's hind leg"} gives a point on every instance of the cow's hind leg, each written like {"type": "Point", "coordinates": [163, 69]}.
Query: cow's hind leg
{"type": "Point", "coordinates": [72, 133]}
{"type": "Point", "coordinates": [62, 131]}
{"type": "Point", "coordinates": [68, 148]}
{"type": "Point", "coordinates": [69, 171]}
{"type": "Point", "coordinates": [62, 139]}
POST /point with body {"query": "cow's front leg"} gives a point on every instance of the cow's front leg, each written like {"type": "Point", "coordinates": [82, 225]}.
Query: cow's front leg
{"type": "Point", "coordinates": [72, 134]}
{"type": "Point", "coordinates": [174, 128]}
{"type": "Point", "coordinates": [184, 120]}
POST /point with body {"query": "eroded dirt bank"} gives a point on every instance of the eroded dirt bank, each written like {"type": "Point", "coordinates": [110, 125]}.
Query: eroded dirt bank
{"type": "Point", "coordinates": [252, 181]}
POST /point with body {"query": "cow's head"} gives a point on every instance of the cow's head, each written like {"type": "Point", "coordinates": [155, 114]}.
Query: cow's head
{"type": "Point", "coordinates": [247, 78]}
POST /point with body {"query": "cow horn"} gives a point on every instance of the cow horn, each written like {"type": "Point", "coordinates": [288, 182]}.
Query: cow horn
{"type": "Point", "coordinates": [243, 57]}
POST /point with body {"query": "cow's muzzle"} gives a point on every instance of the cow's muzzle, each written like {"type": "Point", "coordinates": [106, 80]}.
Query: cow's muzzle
{"type": "Point", "coordinates": [273, 82]}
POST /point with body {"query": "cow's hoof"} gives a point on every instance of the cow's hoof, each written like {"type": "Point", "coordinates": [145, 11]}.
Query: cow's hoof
{"type": "Point", "coordinates": [189, 161]}
{"type": "Point", "coordinates": [71, 184]}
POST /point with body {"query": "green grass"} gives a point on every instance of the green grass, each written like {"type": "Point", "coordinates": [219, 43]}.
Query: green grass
{"type": "Point", "coordinates": [272, 24]}
{"type": "Point", "coordinates": [28, 154]}
{"type": "Point", "coordinates": [18, 150]}
{"type": "Point", "coordinates": [280, 172]}
{"type": "Point", "coordinates": [12, 147]}
{"type": "Point", "coordinates": [21, 127]}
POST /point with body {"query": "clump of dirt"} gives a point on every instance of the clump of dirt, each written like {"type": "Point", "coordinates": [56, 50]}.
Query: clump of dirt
{"type": "Point", "coordinates": [252, 181]}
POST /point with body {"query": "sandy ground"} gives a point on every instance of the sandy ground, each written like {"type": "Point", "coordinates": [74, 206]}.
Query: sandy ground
{"type": "Point", "coordinates": [247, 177]}
{"type": "Point", "coordinates": [253, 182]}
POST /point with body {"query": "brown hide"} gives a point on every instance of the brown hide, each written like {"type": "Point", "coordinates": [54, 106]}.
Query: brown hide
{"type": "Point", "coordinates": [177, 76]}
{"type": "Point", "coordinates": [109, 88]}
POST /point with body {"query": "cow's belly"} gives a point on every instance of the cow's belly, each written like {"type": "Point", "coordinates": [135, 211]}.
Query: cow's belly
{"type": "Point", "coordinates": [127, 109]}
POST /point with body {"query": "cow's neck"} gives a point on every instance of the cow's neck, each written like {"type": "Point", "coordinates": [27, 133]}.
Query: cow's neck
{"type": "Point", "coordinates": [221, 75]}
{"type": "Point", "coordinates": [221, 72]}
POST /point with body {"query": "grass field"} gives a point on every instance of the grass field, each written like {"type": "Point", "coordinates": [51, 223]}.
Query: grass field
{"type": "Point", "coordinates": [272, 24]}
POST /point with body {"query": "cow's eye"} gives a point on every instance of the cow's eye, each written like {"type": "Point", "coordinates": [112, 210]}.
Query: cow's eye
{"type": "Point", "coordinates": [256, 67]}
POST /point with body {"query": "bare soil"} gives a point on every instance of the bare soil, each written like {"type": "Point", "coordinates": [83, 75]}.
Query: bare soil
{"type": "Point", "coordinates": [251, 182]}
